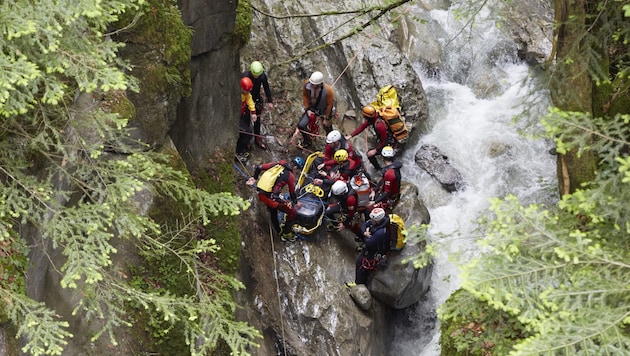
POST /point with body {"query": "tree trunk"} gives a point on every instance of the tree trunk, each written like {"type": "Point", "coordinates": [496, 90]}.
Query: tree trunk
{"type": "Point", "coordinates": [572, 88]}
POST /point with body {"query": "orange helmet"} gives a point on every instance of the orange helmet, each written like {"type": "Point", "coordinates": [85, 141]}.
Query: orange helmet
{"type": "Point", "coordinates": [246, 84]}
{"type": "Point", "coordinates": [369, 111]}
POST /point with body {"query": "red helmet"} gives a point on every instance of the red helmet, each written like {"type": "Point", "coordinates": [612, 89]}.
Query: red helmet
{"type": "Point", "coordinates": [246, 84]}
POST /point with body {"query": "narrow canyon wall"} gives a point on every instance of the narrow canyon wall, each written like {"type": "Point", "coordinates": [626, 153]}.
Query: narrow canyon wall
{"type": "Point", "coordinates": [207, 119]}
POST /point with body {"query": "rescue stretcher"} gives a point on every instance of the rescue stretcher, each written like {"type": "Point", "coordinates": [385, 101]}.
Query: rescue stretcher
{"type": "Point", "coordinates": [312, 199]}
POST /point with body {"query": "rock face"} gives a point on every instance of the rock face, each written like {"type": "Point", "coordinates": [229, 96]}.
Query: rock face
{"type": "Point", "coordinates": [533, 33]}
{"type": "Point", "coordinates": [307, 309]}
{"type": "Point", "coordinates": [437, 164]}
{"type": "Point", "coordinates": [296, 293]}
{"type": "Point", "coordinates": [356, 68]}
{"type": "Point", "coordinates": [207, 119]}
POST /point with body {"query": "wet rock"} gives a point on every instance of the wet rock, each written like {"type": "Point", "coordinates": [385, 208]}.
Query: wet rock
{"type": "Point", "coordinates": [533, 34]}
{"type": "Point", "coordinates": [361, 296]}
{"type": "Point", "coordinates": [437, 164]}
{"type": "Point", "coordinates": [400, 285]}
{"type": "Point", "coordinates": [497, 149]}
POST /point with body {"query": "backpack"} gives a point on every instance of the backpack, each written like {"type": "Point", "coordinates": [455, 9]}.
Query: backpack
{"type": "Point", "coordinates": [387, 97]}
{"type": "Point", "coordinates": [389, 109]}
{"type": "Point", "coordinates": [395, 122]}
{"type": "Point", "coordinates": [268, 178]}
{"type": "Point", "coordinates": [397, 233]}
{"type": "Point", "coordinates": [361, 185]}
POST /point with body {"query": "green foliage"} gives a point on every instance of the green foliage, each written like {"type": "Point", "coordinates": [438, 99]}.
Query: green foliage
{"type": "Point", "coordinates": [564, 272]}
{"type": "Point", "coordinates": [13, 263]}
{"type": "Point", "coordinates": [418, 236]}
{"type": "Point", "coordinates": [61, 177]}
{"type": "Point", "coordinates": [165, 270]}
{"type": "Point", "coordinates": [38, 324]}
{"type": "Point", "coordinates": [43, 41]}
{"type": "Point", "coordinates": [224, 230]}
{"type": "Point", "coordinates": [476, 329]}
{"type": "Point", "coordinates": [158, 27]}
{"type": "Point", "coordinates": [608, 59]}
{"type": "Point", "coordinates": [243, 25]}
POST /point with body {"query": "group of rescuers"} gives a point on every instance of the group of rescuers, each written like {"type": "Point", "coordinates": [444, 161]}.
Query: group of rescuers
{"type": "Point", "coordinates": [333, 172]}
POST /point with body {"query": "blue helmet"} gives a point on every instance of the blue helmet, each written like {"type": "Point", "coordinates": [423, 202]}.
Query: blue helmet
{"type": "Point", "coordinates": [299, 161]}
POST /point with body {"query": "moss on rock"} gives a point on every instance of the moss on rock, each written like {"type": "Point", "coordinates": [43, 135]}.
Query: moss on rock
{"type": "Point", "coordinates": [163, 273]}
{"type": "Point", "coordinates": [117, 102]}
{"type": "Point", "coordinates": [243, 25]}
{"type": "Point", "coordinates": [217, 177]}
{"type": "Point", "coordinates": [160, 28]}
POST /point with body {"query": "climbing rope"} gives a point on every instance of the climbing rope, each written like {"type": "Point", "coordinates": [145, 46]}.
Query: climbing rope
{"type": "Point", "coordinates": [242, 169]}
{"type": "Point", "coordinates": [255, 135]}
{"type": "Point", "coordinates": [275, 272]}
{"type": "Point", "coordinates": [246, 176]}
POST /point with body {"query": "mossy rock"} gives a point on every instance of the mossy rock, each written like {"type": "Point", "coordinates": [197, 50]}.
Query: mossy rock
{"type": "Point", "coordinates": [161, 30]}
{"type": "Point", "coordinates": [157, 42]}
{"type": "Point", "coordinates": [163, 273]}
{"type": "Point", "coordinates": [243, 25]}
{"type": "Point", "coordinates": [215, 178]}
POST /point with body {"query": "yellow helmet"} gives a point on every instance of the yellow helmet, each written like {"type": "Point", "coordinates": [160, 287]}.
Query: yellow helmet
{"type": "Point", "coordinates": [341, 156]}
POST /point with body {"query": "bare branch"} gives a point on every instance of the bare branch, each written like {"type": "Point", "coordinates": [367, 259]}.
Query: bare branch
{"type": "Point", "coordinates": [325, 13]}
{"type": "Point", "coordinates": [382, 10]}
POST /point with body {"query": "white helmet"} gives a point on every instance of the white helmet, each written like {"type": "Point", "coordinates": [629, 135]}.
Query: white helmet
{"type": "Point", "coordinates": [339, 187]}
{"type": "Point", "coordinates": [316, 78]}
{"type": "Point", "coordinates": [377, 214]}
{"type": "Point", "coordinates": [333, 136]}
{"type": "Point", "coordinates": [388, 152]}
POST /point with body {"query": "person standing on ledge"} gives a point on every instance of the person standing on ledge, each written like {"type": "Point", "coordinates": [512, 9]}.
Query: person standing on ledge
{"type": "Point", "coordinates": [248, 115]}
{"type": "Point", "coordinates": [375, 236]}
{"type": "Point", "coordinates": [257, 75]}
{"type": "Point", "coordinates": [318, 99]}
{"type": "Point", "coordinates": [383, 135]}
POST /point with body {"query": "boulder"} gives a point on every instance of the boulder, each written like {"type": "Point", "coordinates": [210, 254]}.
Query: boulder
{"type": "Point", "coordinates": [437, 164]}
{"type": "Point", "coordinates": [401, 285]}
{"type": "Point", "coordinates": [361, 296]}
{"type": "Point", "coordinates": [533, 34]}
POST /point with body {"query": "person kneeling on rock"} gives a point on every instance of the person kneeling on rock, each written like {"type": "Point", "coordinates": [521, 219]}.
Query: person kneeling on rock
{"type": "Point", "coordinates": [375, 235]}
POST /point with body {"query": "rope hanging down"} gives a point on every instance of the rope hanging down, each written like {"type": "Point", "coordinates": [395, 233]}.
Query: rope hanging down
{"type": "Point", "coordinates": [275, 274]}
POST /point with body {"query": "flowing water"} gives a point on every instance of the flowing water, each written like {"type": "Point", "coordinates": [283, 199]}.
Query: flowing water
{"type": "Point", "coordinates": [483, 143]}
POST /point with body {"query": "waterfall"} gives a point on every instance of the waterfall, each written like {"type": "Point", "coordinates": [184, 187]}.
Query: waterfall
{"type": "Point", "coordinates": [475, 85]}
{"type": "Point", "coordinates": [482, 141]}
